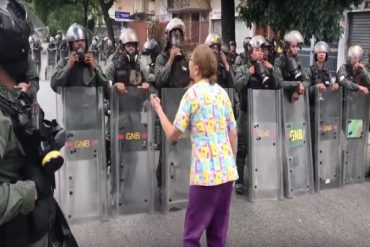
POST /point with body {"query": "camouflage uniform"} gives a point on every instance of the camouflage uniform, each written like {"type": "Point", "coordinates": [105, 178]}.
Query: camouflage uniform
{"type": "Point", "coordinates": [286, 78]}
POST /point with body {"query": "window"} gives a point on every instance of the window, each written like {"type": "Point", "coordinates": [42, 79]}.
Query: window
{"type": "Point", "coordinates": [184, 3]}
{"type": "Point", "coordinates": [170, 4]}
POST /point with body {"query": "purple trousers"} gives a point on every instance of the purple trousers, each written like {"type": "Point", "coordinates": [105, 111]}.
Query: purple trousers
{"type": "Point", "coordinates": [208, 209]}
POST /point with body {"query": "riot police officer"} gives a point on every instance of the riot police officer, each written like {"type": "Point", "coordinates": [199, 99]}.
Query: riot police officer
{"type": "Point", "coordinates": [63, 49]}
{"type": "Point", "coordinates": [256, 74]}
{"type": "Point", "coordinates": [231, 56]}
{"type": "Point", "coordinates": [58, 43]}
{"type": "Point", "coordinates": [94, 49]}
{"type": "Point", "coordinates": [354, 75]}
{"type": "Point", "coordinates": [29, 82]}
{"type": "Point", "coordinates": [224, 73]}
{"type": "Point", "coordinates": [171, 71]}
{"type": "Point", "coordinates": [151, 50]}
{"type": "Point", "coordinates": [318, 74]}
{"type": "Point", "coordinates": [108, 49]}
{"type": "Point", "coordinates": [124, 69]}
{"type": "Point", "coordinates": [58, 40]}
{"type": "Point", "coordinates": [243, 57]}
{"type": "Point", "coordinates": [80, 68]}
{"type": "Point", "coordinates": [171, 67]}
{"type": "Point", "coordinates": [27, 208]}
{"type": "Point", "coordinates": [288, 69]}
{"type": "Point", "coordinates": [36, 49]}
{"type": "Point", "coordinates": [320, 79]}
{"type": "Point", "coordinates": [52, 44]}
{"type": "Point", "coordinates": [269, 53]}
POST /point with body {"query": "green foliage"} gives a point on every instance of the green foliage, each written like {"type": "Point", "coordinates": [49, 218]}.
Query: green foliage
{"type": "Point", "coordinates": [44, 7]}
{"type": "Point", "coordinates": [320, 18]}
{"type": "Point", "coordinates": [59, 20]}
{"type": "Point", "coordinates": [60, 14]}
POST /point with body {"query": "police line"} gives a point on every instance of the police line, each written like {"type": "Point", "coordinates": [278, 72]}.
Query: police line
{"type": "Point", "coordinates": [292, 149]}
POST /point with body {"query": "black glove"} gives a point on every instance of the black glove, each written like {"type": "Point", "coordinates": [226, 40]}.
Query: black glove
{"type": "Point", "coordinates": [43, 185]}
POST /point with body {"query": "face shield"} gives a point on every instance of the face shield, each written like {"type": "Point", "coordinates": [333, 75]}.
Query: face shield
{"type": "Point", "coordinates": [355, 53]}
{"type": "Point", "coordinates": [177, 38]}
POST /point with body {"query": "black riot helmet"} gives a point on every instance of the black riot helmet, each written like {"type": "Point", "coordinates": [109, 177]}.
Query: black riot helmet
{"type": "Point", "coordinates": [152, 48]}
{"type": "Point", "coordinates": [268, 45]}
{"type": "Point", "coordinates": [246, 42]}
{"type": "Point", "coordinates": [14, 33]}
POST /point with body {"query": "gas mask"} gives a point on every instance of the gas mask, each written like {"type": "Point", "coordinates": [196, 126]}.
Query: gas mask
{"type": "Point", "coordinates": [294, 68]}
{"type": "Point", "coordinates": [131, 56]}
{"type": "Point", "coordinates": [216, 50]}
{"type": "Point", "coordinates": [260, 72]}
{"type": "Point", "coordinates": [81, 55]}
{"type": "Point", "coordinates": [177, 38]}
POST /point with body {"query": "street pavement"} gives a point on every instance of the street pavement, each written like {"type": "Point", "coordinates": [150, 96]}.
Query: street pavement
{"type": "Point", "coordinates": [335, 217]}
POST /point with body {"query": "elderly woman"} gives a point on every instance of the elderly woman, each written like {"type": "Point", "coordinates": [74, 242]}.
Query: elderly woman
{"type": "Point", "coordinates": [206, 109]}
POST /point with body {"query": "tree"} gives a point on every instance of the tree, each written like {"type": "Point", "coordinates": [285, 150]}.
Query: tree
{"type": "Point", "coordinates": [228, 20]}
{"type": "Point", "coordinates": [105, 6]}
{"type": "Point", "coordinates": [44, 7]}
{"type": "Point", "coordinates": [54, 12]}
{"type": "Point", "coordinates": [318, 18]}
{"type": "Point", "coordinates": [85, 4]}
{"type": "Point", "coordinates": [47, 10]}
{"type": "Point", "coordinates": [59, 21]}
{"type": "Point", "coordinates": [59, 15]}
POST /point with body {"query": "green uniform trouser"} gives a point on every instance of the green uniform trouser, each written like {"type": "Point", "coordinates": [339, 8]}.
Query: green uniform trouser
{"type": "Point", "coordinates": [242, 144]}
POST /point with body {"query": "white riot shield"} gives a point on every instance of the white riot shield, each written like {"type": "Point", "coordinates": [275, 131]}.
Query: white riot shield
{"type": "Point", "coordinates": [326, 131]}
{"type": "Point", "coordinates": [52, 59]}
{"type": "Point", "coordinates": [175, 157]}
{"type": "Point", "coordinates": [36, 57]}
{"type": "Point", "coordinates": [297, 161]}
{"type": "Point", "coordinates": [264, 145]}
{"type": "Point", "coordinates": [83, 177]}
{"type": "Point", "coordinates": [355, 127]}
{"type": "Point", "coordinates": [132, 154]}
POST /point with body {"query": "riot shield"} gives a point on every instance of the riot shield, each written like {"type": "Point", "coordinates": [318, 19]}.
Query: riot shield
{"type": "Point", "coordinates": [297, 161]}
{"type": "Point", "coordinates": [36, 57]}
{"type": "Point", "coordinates": [132, 156]}
{"type": "Point", "coordinates": [355, 127]}
{"type": "Point", "coordinates": [326, 130]}
{"type": "Point", "coordinates": [83, 177]}
{"type": "Point", "coordinates": [265, 181]}
{"type": "Point", "coordinates": [175, 157]}
{"type": "Point", "coordinates": [50, 68]}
